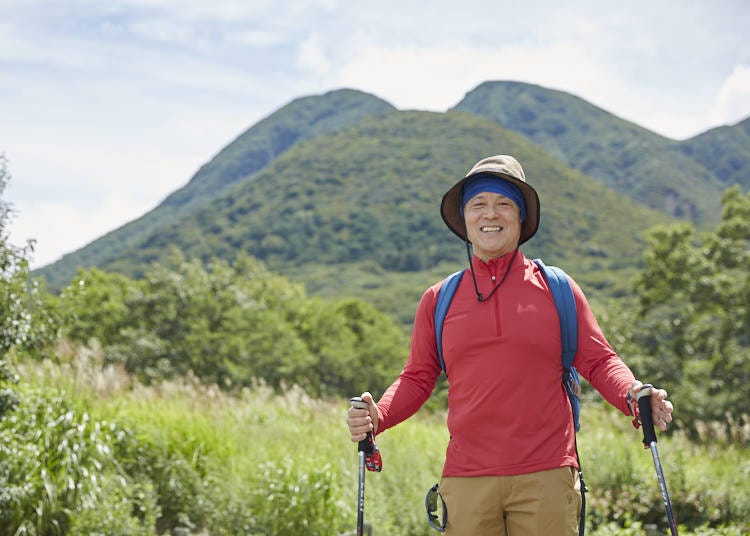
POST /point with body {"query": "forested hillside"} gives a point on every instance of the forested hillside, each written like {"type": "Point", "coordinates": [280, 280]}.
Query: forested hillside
{"type": "Point", "coordinates": [724, 150]}
{"type": "Point", "coordinates": [341, 191]}
{"type": "Point", "coordinates": [684, 179]}
{"type": "Point", "coordinates": [239, 161]}
{"type": "Point", "coordinates": [207, 397]}
{"type": "Point", "coordinates": [365, 200]}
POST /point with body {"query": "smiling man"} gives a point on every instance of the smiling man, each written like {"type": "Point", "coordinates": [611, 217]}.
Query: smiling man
{"type": "Point", "coordinates": [511, 466]}
{"type": "Point", "coordinates": [493, 213]}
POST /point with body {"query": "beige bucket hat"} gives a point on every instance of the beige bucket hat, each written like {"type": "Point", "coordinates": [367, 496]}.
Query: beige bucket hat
{"type": "Point", "coordinates": [504, 167]}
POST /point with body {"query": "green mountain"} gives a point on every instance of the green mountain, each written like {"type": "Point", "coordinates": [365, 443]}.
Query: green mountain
{"type": "Point", "coordinates": [370, 193]}
{"type": "Point", "coordinates": [341, 191]}
{"type": "Point", "coordinates": [240, 160]}
{"type": "Point", "coordinates": [671, 176]}
{"type": "Point", "coordinates": [336, 209]}
{"type": "Point", "coordinates": [302, 119]}
{"type": "Point", "coordinates": [726, 151]}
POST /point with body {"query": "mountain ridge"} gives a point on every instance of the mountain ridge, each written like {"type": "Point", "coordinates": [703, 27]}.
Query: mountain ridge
{"type": "Point", "coordinates": [318, 146]}
{"type": "Point", "coordinates": [240, 159]}
{"type": "Point", "coordinates": [646, 166]}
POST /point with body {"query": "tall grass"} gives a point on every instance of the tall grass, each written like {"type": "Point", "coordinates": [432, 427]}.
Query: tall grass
{"type": "Point", "coordinates": [106, 455]}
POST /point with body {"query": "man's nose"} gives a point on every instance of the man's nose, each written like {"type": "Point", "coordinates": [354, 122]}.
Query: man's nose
{"type": "Point", "coordinates": [492, 211]}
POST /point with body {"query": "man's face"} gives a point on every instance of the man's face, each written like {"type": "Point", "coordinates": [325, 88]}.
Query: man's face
{"type": "Point", "coordinates": [493, 225]}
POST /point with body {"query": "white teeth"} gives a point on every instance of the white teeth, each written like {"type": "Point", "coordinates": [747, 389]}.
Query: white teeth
{"type": "Point", "coordinates": [490, 229]}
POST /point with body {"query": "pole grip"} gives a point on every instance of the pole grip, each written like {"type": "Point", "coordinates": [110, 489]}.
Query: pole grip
{"type": "Point", "coordinates": [366, 444]}
{"type": "Point", "coordinates": [647, 419]}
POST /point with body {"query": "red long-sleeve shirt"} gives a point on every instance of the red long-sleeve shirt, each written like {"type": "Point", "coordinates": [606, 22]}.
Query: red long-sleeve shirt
{"type": "Point", "coordinates": [508, 411]}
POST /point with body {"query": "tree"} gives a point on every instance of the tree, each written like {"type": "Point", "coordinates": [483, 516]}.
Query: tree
{"type": "Point", "coordinates": [13, 323]}
{"type": "Point", "coordinates": [95, 305]}
{"type": "Point", "coordinates": [231, 325]}
{"type": "Point", "coordinates": [691, 329]}
{"type": "Point", "coordinates": [28, 323]}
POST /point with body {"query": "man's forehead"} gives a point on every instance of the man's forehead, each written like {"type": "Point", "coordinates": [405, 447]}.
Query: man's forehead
{"type": "Point", "coordinates": [489, 194]}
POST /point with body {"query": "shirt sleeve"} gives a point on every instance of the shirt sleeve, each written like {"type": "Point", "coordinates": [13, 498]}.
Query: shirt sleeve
{"type": "Point", "coordinates": [417, 380]}
{"type": "Point", "coordinates": [596, 360]}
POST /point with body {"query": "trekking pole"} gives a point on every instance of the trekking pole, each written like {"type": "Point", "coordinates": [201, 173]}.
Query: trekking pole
{"type": "Point", "coordinates": [368, 457]}
{"type": "Point", "coordinates": [649, 440]}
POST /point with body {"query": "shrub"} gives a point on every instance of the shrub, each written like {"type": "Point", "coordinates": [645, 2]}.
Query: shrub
{"type": "Point", "coordinates": [57, 465]}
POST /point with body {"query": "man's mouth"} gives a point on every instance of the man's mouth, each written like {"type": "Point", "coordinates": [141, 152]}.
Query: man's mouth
{"type": "Point", "coordinates": [491, 229]}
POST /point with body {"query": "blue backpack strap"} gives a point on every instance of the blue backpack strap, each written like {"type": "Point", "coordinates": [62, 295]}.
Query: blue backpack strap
{"type": "Point", "coordinates": [565, 302]}
{"type": "Point", "coordinates": [566, 310]}
{"type": "Point", "coordinates": [444, 299]}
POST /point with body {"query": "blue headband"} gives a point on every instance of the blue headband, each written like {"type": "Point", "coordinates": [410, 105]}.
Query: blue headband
{"type": "Point", "coordinates": [496, 185]}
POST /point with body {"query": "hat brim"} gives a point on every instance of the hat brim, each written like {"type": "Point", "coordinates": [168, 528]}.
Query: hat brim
{"type": "Point", "coordinates": [450, 207]}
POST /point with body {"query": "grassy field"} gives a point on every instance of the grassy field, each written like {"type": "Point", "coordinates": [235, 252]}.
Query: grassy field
{"type": "Point", "coordinates": [264, 463]}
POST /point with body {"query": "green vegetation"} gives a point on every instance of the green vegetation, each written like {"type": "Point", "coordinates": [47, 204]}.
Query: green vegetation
{"type": "Point", "coordinates": [330, 189]}
{"type": "Point", "coordinates": [208, 397]}
{"type": "Point", "coordinates": [333, 188]}
{"type": "Point", "coordinates": [368, 195]}
{"type": "Point", "coordinates": [92, 451]}
{"type": "Point", "coordinates": [689, 328]}
{"type": "Point", "coordinates": [230, 325]}
{"type": "Point", "coordinates": [239, 161]}
{"type": "Point", "coordinates": [682, 179]}
{"type": "Point", "coordinates": [725, 151]}
{"type": "Point", "coordinates": [26, 324]}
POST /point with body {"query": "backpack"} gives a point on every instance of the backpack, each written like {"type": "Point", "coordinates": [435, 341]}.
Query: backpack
{"type": "Point", "coordinates": [562, 293]}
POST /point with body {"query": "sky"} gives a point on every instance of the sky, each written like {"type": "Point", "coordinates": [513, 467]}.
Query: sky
{"type": "Point", "coordinates": [106, 107]}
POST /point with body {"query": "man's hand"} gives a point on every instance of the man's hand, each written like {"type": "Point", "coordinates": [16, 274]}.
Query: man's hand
{"type": "Point", "coordinates": [661, 408]}
{"type": "Point", "coordinates": [361, 421]}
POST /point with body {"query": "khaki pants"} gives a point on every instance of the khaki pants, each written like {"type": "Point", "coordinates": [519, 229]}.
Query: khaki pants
{"type": "Point", "coordinates": [546, 503]}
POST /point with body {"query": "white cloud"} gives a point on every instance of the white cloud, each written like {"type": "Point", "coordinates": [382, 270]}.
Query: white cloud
{"type": "Point", "coordinates": [61, 227]}
{"type": "Point", "coordinates": [732, 102]}
{"type": "Point", "coordinates": [132, 96]}
{"type": "Point", "coordinates": [437, 78]}
{"type": "Point", "coordinates": [311, 55]}
{"type": "Point", "coordinates": [152, 149]}
{"type": "Point", "coordinates": [254, 38]}
{"type": "Point", "coordinates": [72, 184]}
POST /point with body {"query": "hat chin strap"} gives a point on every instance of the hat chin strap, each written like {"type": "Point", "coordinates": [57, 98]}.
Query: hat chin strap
{"type": "Point", "coordinates": [480, 296]}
